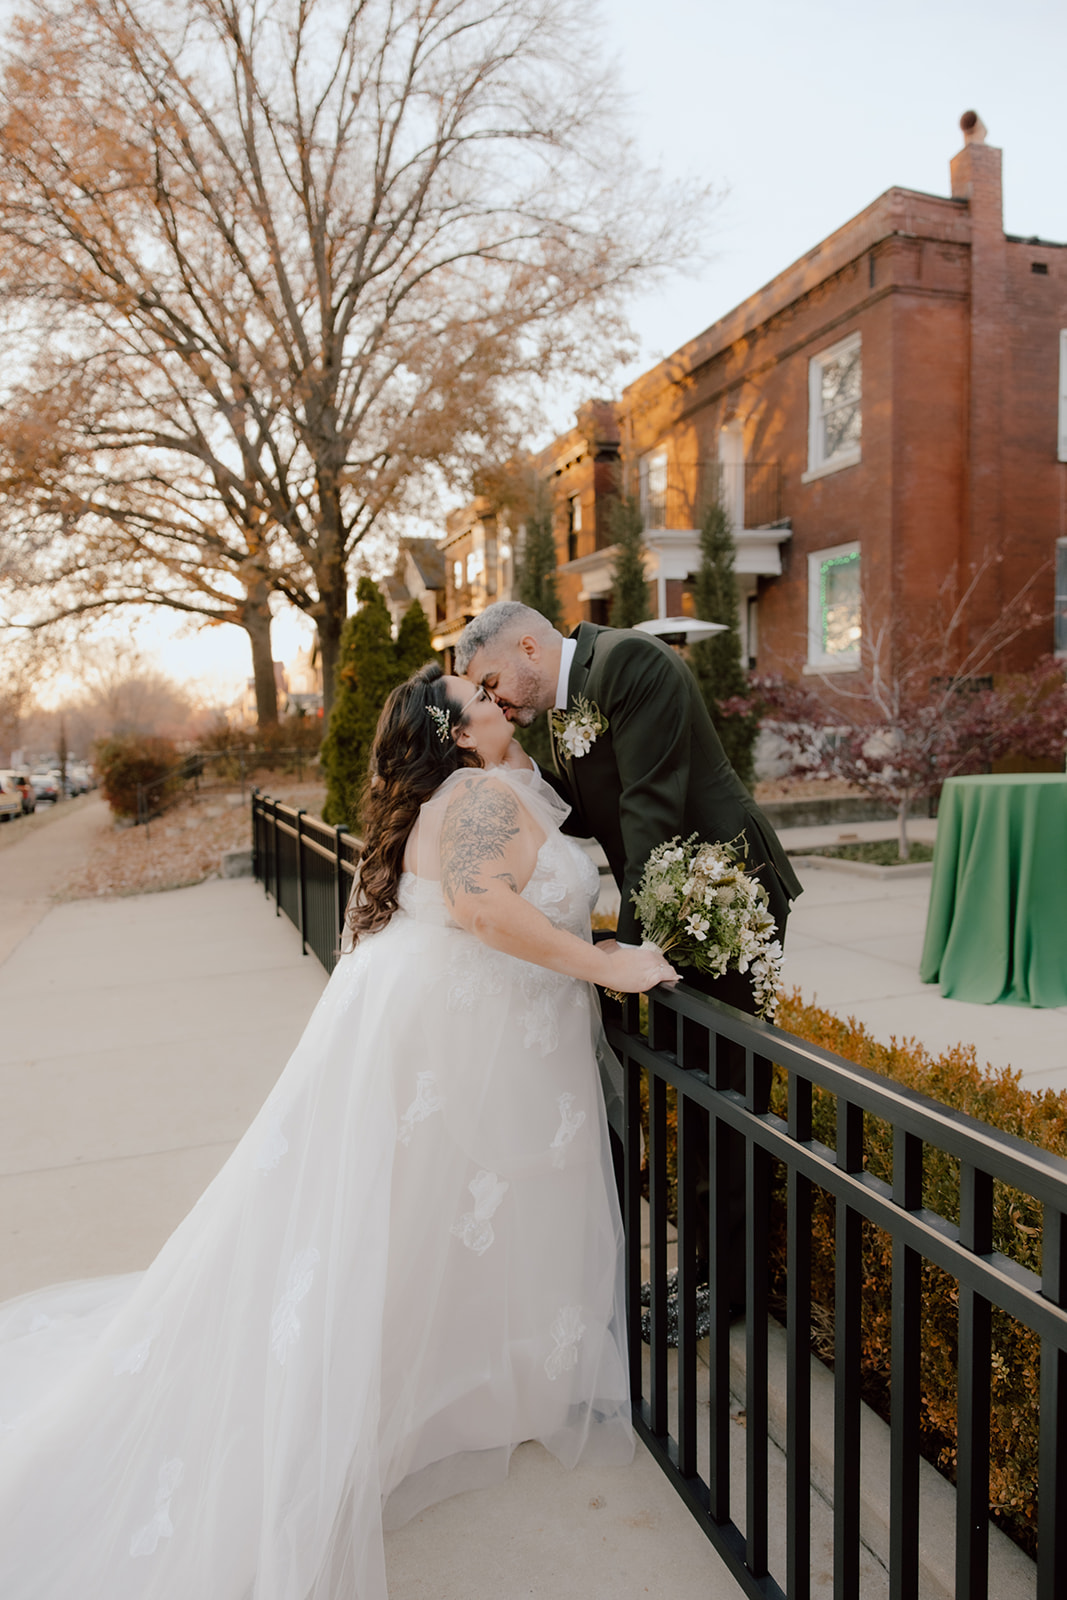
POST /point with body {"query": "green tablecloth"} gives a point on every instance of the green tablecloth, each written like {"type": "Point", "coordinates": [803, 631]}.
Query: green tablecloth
{"type": "Point", "coordinates": [997, 924]}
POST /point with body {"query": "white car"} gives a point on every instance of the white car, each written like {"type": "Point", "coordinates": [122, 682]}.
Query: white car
{"type": "Point", "coordinates": [10, 798]}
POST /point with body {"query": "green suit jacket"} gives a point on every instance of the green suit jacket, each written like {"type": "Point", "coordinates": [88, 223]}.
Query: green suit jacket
{"type": "Point", "coordinates": [659, 770]}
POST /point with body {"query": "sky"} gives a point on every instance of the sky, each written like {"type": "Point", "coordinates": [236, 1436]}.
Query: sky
{"type": "Point", "coordinates": [801, 112]}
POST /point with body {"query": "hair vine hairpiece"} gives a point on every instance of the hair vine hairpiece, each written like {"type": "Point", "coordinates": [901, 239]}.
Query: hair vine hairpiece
{"type": "Point", "coordinates": [442, 722]}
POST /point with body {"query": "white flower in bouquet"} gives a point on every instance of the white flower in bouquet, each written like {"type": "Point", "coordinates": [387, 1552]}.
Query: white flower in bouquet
{"type": "Point", "coordinates": [696, 903]}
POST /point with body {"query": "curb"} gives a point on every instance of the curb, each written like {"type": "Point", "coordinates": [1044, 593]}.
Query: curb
{"type": "Point", "coordinates": [865, 869]}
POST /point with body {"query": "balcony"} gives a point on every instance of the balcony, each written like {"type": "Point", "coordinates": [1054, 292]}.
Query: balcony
{"type": "Point", "coordinates": [679, 496]}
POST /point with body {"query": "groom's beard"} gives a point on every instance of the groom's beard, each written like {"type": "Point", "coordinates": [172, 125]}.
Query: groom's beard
{"type": "Point", "coordinates": [528, 701]}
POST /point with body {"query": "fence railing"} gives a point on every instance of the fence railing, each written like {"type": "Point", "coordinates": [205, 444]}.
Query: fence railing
{"type": "Point", "coordinates": [308, 868]}
{"type": "Point", "coordinates": [679, 495]}
{"type": "Point", "coordinates": [685, 1049]}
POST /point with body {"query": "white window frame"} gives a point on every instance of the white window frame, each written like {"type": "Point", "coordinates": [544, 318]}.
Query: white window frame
{"type": "Point", "coordinates": [576, 513]}
{"type": "Point", "coordinates": [652, 467]}
{"type": "Point", "coordinates": [1060, 614]}
{"type": "Point", "coordinates": [819, 661]}
{"type": "Point", "coordinates": [820, 464]}
{"type": "Point", "coordinates": [1061, 452]}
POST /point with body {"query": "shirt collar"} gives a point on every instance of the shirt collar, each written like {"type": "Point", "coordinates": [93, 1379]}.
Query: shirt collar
{"type": "Point", "coordinates": [566, 656]}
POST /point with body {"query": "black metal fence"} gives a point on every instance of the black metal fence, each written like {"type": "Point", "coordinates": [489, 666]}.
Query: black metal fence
{"type": "Point", "coordinates": [308, 868]}
{"type": "Point", "coordinates": [685, 1047]}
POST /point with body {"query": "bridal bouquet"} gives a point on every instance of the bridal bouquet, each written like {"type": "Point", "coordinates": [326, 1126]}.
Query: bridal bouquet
{"type": "Point", "coordinates": [696, 903]}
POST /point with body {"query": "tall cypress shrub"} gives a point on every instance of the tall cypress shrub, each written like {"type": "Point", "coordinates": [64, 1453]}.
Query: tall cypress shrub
{"type": "Point", "coordinates": [367, 670]}
{"type": "Point", "coordinates": [629, 586]}
{"type": "Point", "coordinates": [535, 586]}
{"type": "Point", "coordinates": [414, 642]}
{"type": "Point", "coordinates": [716, 662]}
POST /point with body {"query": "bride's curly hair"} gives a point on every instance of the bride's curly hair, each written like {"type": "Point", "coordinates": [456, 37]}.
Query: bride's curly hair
{"type": "Point", "coordinates": [409, 760]}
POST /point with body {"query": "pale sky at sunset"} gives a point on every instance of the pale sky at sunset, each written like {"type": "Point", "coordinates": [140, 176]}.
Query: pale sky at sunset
{"type": "Point", "coordinates": [805, 111]}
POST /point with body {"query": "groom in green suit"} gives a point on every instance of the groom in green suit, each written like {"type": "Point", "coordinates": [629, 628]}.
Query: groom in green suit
{"type": "Point", "coordinates": [654, 769]}
{"type": "Point", "coordinates": [657, 769]}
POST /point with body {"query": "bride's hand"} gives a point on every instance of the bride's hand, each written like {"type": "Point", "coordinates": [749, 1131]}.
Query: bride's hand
{"type": "Point", "coordinates": [632, 969]}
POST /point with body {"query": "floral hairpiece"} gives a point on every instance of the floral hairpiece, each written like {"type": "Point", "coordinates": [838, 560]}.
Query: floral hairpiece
{"type": "Point", "coordinates": [442, 722]}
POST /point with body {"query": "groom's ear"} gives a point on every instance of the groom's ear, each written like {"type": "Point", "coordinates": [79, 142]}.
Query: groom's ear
{"type": "Point", "coordinates": [530, 646]}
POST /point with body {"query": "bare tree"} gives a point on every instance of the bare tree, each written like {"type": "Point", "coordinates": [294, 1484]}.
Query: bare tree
{"type": "Point", "coordinates": [323, 244]}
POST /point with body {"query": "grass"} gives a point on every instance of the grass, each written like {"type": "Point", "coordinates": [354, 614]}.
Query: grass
{"type": "Point", "coordinates": [878, 852]}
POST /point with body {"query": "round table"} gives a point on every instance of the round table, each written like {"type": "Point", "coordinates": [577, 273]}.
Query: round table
{"type": "Point", "coordinates": [996, 928]}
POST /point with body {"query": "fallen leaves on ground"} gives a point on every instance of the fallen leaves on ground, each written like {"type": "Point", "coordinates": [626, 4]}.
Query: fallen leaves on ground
{"type": "Point", "coordinates": [184, 846]}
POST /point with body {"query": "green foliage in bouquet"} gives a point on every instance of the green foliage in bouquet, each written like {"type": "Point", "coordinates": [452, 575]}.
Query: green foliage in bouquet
{"type": "Point", "coordinates": [699, 906]}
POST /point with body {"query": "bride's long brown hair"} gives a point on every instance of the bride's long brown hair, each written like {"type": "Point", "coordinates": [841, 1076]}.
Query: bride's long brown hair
{"type": "Point", "coordinates": [409, 760]}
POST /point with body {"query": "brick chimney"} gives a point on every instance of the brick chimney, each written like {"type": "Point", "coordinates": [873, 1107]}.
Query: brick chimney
{"type": "Point", "coordinates": [976, 179]}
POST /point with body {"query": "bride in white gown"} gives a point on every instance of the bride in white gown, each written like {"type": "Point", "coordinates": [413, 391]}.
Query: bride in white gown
{"type": "Point", "coordinates": [410, 1263]}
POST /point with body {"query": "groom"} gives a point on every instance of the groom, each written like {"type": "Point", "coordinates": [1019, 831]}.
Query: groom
{"type": "Point", "coordinates": [655, 769]}
{"type": "Point", "coordinates": [658, 768]}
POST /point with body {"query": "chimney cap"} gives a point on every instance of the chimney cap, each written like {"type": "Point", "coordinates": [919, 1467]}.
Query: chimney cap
{"type": "Point", "coordinates": [973, 128]}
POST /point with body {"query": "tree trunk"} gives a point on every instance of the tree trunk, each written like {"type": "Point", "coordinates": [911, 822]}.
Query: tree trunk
{"type": "Point", "coordinates": [332, 583]}
{"type": "Point", "coordinates": [903, 847]}
{"type": "Point", "coordinates": [256, 620]}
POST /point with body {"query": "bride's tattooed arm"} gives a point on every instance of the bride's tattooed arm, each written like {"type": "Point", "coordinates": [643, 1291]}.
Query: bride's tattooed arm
{"type": "Point", "coordinates": [478, 832]}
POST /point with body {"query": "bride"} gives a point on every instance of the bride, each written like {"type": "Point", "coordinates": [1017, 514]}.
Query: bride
{"type": "Point", "coordinates": [410, 1263]}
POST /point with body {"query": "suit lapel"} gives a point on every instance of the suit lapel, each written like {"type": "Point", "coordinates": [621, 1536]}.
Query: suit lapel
{"type": "Point", "coordinates": [586, 634]}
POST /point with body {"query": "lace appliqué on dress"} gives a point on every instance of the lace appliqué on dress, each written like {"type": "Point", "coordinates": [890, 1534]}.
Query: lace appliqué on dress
{"type": "Point", "coordinates": [473, 972]}
{"type": "Point", "coordinates": [133, 1357]}
{"type": "Point", "coordinates": [566, 1332]}
{"type": "Point", "coordinates": [570, 1122]}
{"type": "Point", "coordinates": [428, 1099]}
{"type": "Point", "coordinates": [145, 1541]}
{"type": "Point", "coordinates": [284, 1323]}
{"type": "Point", "coordinates": [474, 1227]}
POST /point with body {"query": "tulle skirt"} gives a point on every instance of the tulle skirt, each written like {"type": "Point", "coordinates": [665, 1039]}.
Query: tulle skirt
{"type": "Point", "coordinates": [410, 1264]}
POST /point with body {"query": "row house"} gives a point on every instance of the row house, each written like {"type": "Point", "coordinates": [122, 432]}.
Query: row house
{"type": "Point", "coordinates": [883, 422]}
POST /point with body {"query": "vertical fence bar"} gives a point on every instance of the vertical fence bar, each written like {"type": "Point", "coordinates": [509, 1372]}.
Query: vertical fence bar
{"type": "Point", "coordinates": [798, 1353]}
{"type": "Point", "coordinates": [848, 1306]}
{"type": "Point", "coordinates": [631, 1141]}
{"type": "Point", "coordinates": [904, 1391]}
{"type": "Point", "coordinates": [657, 1250]}
{"type": "Point", "coordinates": [757, 1206]}
{"type": "Point", "coordinates": [1052, 1458]}
{"type": "Point", "coordinates": [277, 859]}
{"type": "Point", "coordinates": [973, 1384]}
{"type": "Point", "coordinates": [691, 1124]}
{"type": "Point", "coordinates": [340, 883]}
{"type": "Point", "coordinates": [719, 1293]}
{"type": "Point", "coordinates": [301, 884]}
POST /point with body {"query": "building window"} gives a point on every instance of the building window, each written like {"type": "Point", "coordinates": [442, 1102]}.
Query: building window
{"type": "Point", "coordinates": [475, 565]}
{"type": "Point", "coordinates": [835, 410]}
{"type": "Point", "coordinates": [654, 489]}
{"type": "Point", "coordinates": [457, 575]}
{"type": "Point", "coordinates": [1060, 633]}
{"type": "Point", "coordinates": [574, 526]}
{"type": "Point", "coordinates": [1062, 451]}
{"type": "Point", "coordinates": [834, 624]}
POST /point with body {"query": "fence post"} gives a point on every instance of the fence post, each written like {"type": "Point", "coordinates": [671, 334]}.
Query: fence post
{"type": "Point", "coordinates": [277, 860]}
{"type": "Point", "coordinates": [301, 886]}
{"type": "Point", "coordinates": [340, 897]}
{"type": "Point", "coordinates": [255, 837]}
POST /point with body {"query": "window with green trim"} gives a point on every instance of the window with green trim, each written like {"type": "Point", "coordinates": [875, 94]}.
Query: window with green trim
{"type": "Point", "coordinates": [835, 627]}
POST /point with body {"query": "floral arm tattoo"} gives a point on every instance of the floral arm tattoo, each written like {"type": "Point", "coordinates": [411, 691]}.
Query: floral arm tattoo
{"type": "Point", "coordinates": [479, 825]}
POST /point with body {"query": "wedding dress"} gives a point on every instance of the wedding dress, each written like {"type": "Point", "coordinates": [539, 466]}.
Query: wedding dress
{"type": "Point", "coordinates": [409, 1265]}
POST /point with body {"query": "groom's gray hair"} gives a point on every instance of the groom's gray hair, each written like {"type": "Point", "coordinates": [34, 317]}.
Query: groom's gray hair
{"type": "Point", "coordinates": [505, 616]}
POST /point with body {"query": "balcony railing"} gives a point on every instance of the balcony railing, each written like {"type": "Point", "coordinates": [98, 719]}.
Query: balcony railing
{"type": "Point", "coordinates": [680, 496]}
{"type": "Point", "coordinates": [308, 868]}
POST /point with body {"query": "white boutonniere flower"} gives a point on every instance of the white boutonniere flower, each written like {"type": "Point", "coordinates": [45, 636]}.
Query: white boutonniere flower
{"type": "Point", "coordinates": [578, 730]}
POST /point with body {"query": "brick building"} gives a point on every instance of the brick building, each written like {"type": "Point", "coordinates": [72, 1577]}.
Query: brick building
{"type": "Point", "coordinates": [885, 420]}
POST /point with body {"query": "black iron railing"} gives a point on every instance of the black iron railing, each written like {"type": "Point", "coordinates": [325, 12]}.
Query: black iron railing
{"type": "Point", "coordinates": [308, 868]}
{"type": "Point", "coordinates": [685, 1047]}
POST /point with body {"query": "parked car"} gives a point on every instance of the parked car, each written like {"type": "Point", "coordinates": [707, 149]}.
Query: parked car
{"type": "Point", "coordinates": [46, 786]}
{"type": "Point", "coordinates": [27, 791]}
{"type": "Point", "coordinates": [10, 798]}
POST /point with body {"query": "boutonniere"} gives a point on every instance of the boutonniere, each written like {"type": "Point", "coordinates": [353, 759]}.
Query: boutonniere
{"type": "Point", "coordinates": [578, 730]}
